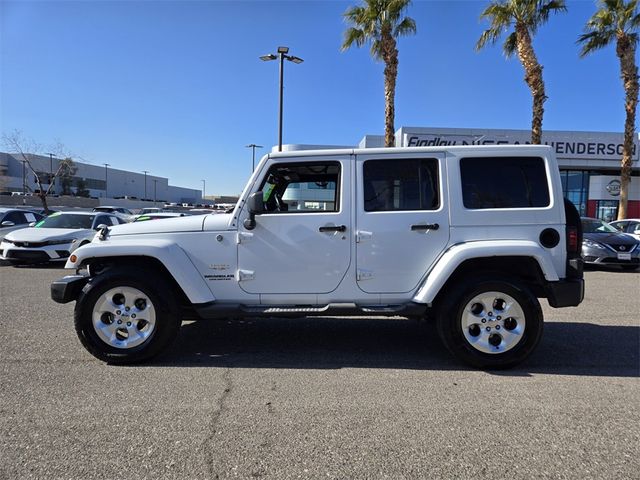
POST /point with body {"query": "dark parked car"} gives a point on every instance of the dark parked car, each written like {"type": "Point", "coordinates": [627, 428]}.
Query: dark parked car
{"type": "Point", "coordinates": [14, 219]}
{"type": "Point", "coordinates": [602, 244]}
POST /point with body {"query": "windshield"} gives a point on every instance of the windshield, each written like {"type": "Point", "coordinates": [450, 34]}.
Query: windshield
{"type": "Point", "coordinates": [66, 220]}
{"type": "Point", "coordinates": [597, 226]}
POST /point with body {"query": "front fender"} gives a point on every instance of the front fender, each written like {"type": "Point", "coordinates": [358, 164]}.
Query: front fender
{"type": "Point", "coordinates": [457, 254]}
{"type": "Point", "coordinates": [174, 259]}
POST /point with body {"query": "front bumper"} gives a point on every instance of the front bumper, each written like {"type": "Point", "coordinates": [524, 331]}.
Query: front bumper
{"type": "Point", "coordinates": [67, 289]}
{"type": "Point", "coordinates": [48, 253]}
{"type": "Point", "coordinates": [599, 256]}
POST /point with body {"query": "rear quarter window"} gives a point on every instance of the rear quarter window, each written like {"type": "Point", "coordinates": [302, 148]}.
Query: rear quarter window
{"type": "Point", "coordinates": [504, 182]}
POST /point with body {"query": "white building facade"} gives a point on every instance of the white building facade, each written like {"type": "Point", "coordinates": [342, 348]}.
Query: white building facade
{"type": "Point", "coordinates": [101, 181]}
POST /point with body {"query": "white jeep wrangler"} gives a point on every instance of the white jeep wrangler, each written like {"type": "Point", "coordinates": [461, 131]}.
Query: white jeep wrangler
{"type": "Point", "coordinates": [468, 236]}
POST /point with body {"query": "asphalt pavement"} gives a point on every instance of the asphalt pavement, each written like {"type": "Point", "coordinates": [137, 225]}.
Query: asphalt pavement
{"type": "Point", "coordinates": [319, 398]}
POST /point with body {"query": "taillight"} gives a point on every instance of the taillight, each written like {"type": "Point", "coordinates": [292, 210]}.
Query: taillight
{"type": "Point", "coordinates": [572, 240]}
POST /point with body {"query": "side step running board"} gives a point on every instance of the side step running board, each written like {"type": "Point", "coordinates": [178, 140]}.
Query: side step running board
{"type": "Point", "coordinates": [222, 310]}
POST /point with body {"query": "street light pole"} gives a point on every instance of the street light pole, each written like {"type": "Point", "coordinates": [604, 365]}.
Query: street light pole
{"type": "Point", "coordinates": [253, 147]}
{"type": "Point", "coordinates": [155, 184]}
{"type": "Point", "coordinates": [281, 95]}
{"type": "Point", "coordinates": [204, 194]}
{"type": "Point", "coordinates": [106, 165]}
{"type": "Point", "coordinates": [282, 55]}
{"type": "Point", "coordinates": [145, 184]}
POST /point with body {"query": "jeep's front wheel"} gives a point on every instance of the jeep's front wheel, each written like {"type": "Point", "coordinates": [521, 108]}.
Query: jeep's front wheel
{"type": "Point", "coordinates": [490, 323]}
{"type": "Point", "coordinates": [123, 316]}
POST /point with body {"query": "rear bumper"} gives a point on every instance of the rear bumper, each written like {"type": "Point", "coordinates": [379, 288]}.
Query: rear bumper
{"type": "Point", "coordinates": [68, 288]}
{"type": "Point", "coordinates": [565, 293]}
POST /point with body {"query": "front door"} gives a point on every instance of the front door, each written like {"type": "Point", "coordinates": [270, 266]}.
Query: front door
{"type": "Point", "coordinates": [301, 244]}
{"type": "Point", "coordinates": [402, 223]}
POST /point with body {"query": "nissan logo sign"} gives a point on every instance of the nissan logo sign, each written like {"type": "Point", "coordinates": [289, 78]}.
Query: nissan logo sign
{"type": "Point", "coordinates": [613, 187]}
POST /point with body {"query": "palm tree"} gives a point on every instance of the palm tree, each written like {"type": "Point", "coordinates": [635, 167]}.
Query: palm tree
{"type": "Point", "coordinates": [525, 16]}
{"type": "Point", "coordinates": [380, 22]}
{"type": "Point", "coordinates": [619, 20]}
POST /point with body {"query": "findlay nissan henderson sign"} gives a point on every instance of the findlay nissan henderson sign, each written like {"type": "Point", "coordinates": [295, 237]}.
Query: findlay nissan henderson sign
{"type": "Point", "coordinates": [604, 146]}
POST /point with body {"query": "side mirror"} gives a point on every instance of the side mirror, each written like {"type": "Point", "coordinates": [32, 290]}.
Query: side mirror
{"type": "Point", "coordinates": [100, 227]}
{"type": "Point", "coordinates": [32, 224]}
{"type": "Point", "coordinates": [8, 223]}
{"type": "Point", "coordinates": [255, 203]}
{"type": "Point", "coordinates": [255, 206]}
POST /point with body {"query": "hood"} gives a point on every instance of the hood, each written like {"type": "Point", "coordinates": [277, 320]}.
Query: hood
{"type": "Point", "coordinates": [611, 238]}
{"type": "Point", "coordinates": [48, 234]}
{"type": "Point", "coordinates": [192, 223]}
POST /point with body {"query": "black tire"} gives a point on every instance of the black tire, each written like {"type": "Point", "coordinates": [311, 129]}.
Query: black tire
{"type": "Point", "coordinates": [454, 306]}
{"type": "Point", "coordinates": [156, 289]}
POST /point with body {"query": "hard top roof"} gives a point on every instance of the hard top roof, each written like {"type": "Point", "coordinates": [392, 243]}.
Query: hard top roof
{"type": "Point", "coordinates": [402, 150]}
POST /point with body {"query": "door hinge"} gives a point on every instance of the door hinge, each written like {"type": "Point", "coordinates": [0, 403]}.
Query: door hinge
{"type": "Point", "coordinates": [245, 275]}
{"type": "Point", "coordinates": [243, 237]}
{"type": "Point", "coordinates": [362, 235]}
{"type": "Point", "coordinates": [364, 274]}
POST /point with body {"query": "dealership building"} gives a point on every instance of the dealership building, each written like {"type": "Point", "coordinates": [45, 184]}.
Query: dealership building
{"type": "Point", "coordinates": [101, 181]}
{"type": "Point", "coordinates": [589, 161]}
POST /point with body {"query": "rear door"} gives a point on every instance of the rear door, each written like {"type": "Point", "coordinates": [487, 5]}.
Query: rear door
{"type": "Point", "coordinates": [401, 220]}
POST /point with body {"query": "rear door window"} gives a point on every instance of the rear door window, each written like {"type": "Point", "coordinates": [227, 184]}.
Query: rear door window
{"type": "Point", "coordinates": [400, 184]}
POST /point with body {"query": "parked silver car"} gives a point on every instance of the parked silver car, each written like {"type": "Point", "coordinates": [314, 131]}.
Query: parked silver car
{"type": "Point", "coordinates": [602, 244]}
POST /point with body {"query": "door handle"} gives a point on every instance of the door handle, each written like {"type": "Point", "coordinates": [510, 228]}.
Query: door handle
{"type": "Point", "coordinates": [333, 228]}
{"type": "Point", "coordinates": [426, 226]}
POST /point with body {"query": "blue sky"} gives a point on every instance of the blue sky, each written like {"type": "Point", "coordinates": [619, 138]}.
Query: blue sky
{"type": "Point", "coordinates": [177, 88]}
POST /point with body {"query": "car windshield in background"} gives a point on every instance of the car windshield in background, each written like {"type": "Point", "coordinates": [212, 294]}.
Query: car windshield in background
{"type": "Point", "coordinates": [597, 226]}
{"type": "Point", "coordinates": [66, 220]}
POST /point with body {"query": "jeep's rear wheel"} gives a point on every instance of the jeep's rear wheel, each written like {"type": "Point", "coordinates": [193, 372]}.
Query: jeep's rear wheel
{"type": "Point", "coordinates": [491, 323]}
{"type": "Point", "coordinates": [126, 316]}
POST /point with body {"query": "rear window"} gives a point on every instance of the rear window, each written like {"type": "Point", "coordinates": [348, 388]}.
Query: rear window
{"type": "Point", "coordinates": [504, 182]}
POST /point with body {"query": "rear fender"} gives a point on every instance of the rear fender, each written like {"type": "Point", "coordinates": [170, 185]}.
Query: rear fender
{"type": "Point", "coordinates": [457, 254]}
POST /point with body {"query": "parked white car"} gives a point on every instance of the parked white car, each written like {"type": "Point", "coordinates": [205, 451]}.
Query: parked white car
{"type": "Point", "coordinates": [53, 238]}
{"type": "Point", "coordinates": [630, 226]}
